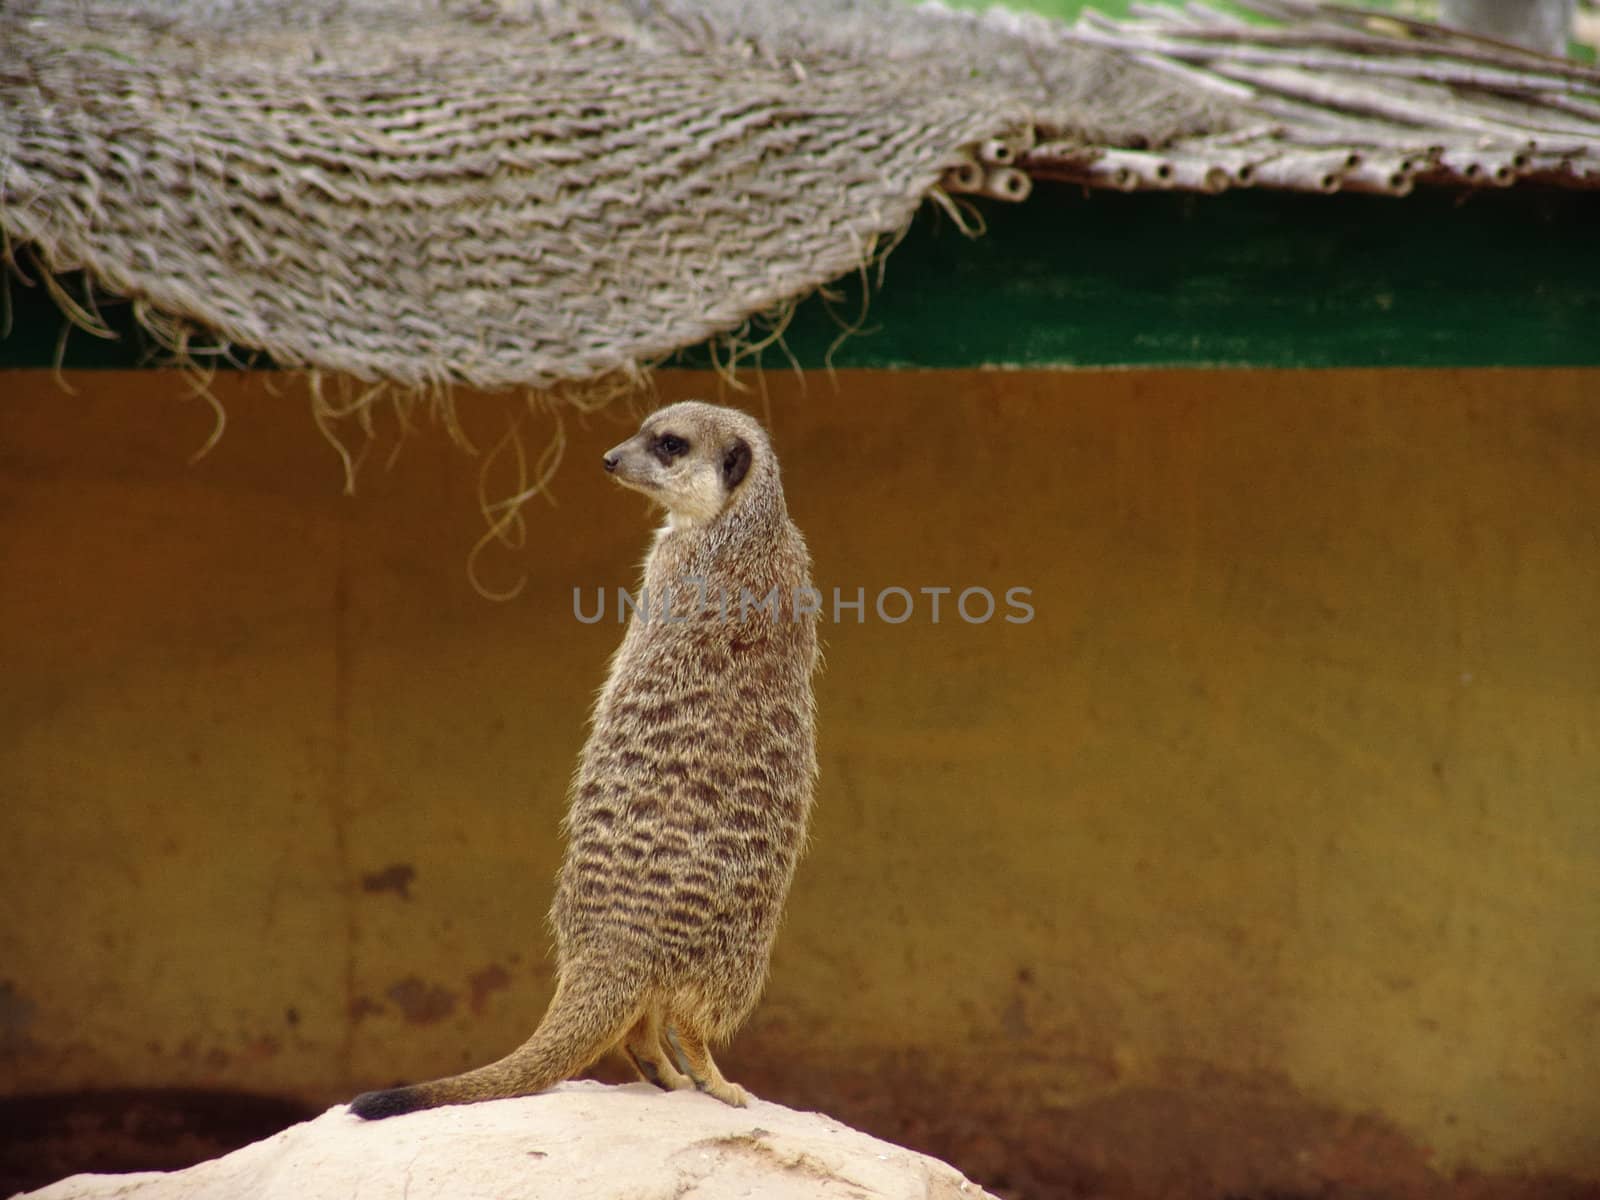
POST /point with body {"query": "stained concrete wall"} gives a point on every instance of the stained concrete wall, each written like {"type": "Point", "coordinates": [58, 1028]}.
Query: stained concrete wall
{"type": "Point", "coordinates": [1289, 791]}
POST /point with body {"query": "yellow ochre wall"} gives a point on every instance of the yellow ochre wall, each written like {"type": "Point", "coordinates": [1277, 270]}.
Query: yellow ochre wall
{"type": "Point", "coordinates": [1291, 787]}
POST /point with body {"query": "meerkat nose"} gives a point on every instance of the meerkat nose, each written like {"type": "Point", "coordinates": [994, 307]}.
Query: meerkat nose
{"type": "Point", "coordinates": [610, 461]}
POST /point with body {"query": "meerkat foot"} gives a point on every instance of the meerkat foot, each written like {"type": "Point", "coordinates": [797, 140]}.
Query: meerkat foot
{"type": "Point", "coordinates": [644, 1050]}
{"type": "Point", "coordinates": [695, 1058]}
{"type": "Point", "coordinates": [729, 1093]}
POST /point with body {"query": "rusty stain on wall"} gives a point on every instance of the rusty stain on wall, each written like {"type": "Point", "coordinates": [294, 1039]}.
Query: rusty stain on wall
{"type": "Point", "coordinates": [482, 983]}
{"type": "Point", "coordinates": [396, 878]}
{"type": "Point", "coordinates": [420, 1002]}
{"type": "Point", "coordinates": [17, 1015]}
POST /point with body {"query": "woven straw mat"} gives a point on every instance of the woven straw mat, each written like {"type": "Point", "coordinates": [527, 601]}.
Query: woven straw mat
{"type": "Point", "coordinates": [516, 194]}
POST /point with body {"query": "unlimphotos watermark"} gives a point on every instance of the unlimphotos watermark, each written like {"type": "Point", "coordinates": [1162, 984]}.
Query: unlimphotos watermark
{"type": "Point", "coordinates": [692, 600]}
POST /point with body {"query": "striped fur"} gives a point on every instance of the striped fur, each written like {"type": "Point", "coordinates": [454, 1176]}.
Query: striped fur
{"type": "Point", "coordinates": [690, 804]}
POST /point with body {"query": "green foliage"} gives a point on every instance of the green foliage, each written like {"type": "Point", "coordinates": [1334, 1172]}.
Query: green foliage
{"type": "Point", "coordinates": [1428, 10]}
{"type": "Point", "coordinates": [1068, 9]}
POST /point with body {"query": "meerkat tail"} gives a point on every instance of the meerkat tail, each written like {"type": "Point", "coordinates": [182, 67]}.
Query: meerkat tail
{"type": "Point", "coordinates": [585, 1019]}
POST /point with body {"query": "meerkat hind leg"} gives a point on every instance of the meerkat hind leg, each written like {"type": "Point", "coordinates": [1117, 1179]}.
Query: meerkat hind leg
{"type": "Point", "coordinates": [693, 1055]}
{"type": "Point", "coordinates": [643, 1047]}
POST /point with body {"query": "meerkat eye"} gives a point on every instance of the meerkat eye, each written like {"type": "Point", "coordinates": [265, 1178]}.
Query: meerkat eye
{"type": "Point", "coordinates": [670, 446]}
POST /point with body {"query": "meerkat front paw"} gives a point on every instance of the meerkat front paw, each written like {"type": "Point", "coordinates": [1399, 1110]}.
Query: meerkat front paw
{"type": "Point", "coordinates": [728, 1093]}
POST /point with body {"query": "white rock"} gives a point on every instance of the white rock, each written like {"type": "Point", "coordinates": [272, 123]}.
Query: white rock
{"type": "Point", "coordinates": [581, 1141]}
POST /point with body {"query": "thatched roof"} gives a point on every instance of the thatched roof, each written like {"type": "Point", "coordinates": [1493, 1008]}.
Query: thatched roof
{"type": "Point", "coordinates": [1334, 99]}
{"type": "Point", "coordinates": [544, 191]}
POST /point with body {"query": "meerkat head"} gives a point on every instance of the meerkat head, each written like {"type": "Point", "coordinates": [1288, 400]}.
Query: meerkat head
{"type": "Point", "coordinates": [693, 459]}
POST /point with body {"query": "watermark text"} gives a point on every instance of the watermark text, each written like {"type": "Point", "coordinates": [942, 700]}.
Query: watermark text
{"type": "Point", "coordinates": [692, 600]}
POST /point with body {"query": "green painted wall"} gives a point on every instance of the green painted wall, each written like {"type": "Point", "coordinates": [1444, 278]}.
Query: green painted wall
{"type": "Point", "coordinates": [1497, 278]}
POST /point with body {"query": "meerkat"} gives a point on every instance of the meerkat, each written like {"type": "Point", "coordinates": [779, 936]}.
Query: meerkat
{"type": "Point", "coordinates": [690, 803]}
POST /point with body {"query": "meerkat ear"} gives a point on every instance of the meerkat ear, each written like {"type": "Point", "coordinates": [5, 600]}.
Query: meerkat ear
{"type": "Point", "coordinates": [735, 463]}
